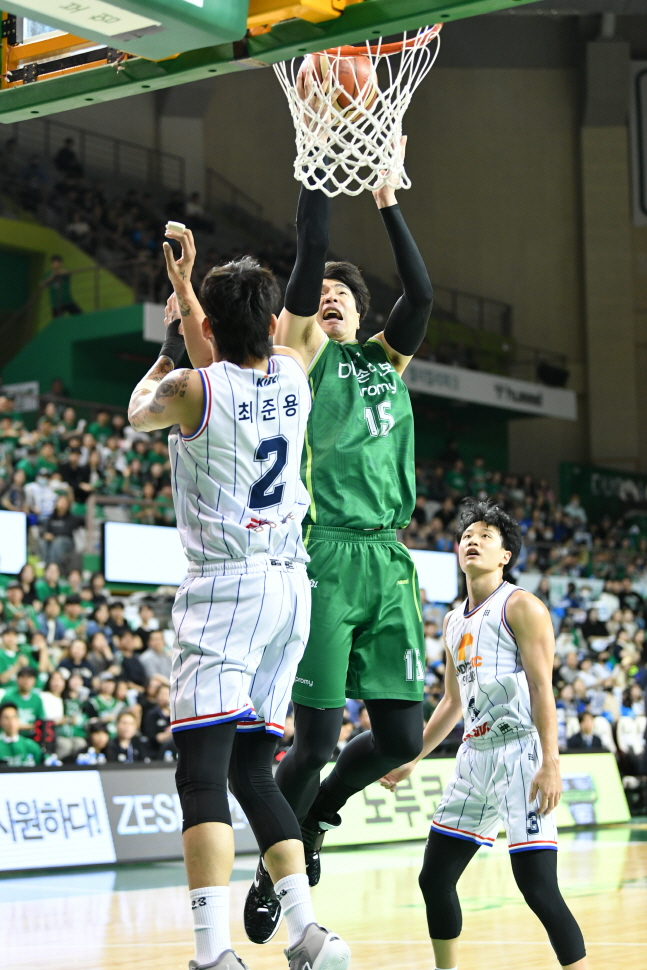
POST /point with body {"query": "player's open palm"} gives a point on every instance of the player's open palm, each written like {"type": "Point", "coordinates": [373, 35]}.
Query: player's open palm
{"type": "Point", "coordinates": [547, 784]}
{"type": "Point", "coordinates": [179, 270]}
{"type": "Point", "coordinates": [392, 779]}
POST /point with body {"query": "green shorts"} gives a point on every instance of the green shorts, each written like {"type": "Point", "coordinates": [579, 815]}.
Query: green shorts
{"type": "Point", "coordinates": [366, 639]}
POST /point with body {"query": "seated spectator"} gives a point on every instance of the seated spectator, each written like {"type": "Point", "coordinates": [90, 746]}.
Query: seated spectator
{"type": "Point", "coordinates": [147, 622]}
{"type": "Point", "coordinates": [574, 509]}
{"type": "Point", "coordinates": [98, 738]}
{"type": "Point", "coordinates": [146, 700]}
{"type": "Point", "coordinates": [104, 704]}
{"type": "Point", "coordinates": [27, 580]}
{"type": "Point", "coordinates": [101, 428]}
{"type": "Point", "coordinates": [100, 657]}
{"type": "Point", "coordinates": [57, 542]}
{"type": "Point", "coordinates": [12, 657]}
{"type": "Point", "coordinates": [633, 702]}
{"type": "Point", "coordinates": [570, 670]}
{"type": "Point", "coordinates": [75, 662]}
{"type": "Point", "coordinates": [131, 668]}
{"type": "Point", "coordinates": [14, 497]}
{"type": "Point", "coordinates": [15, 749]}
{"type": "Point", "coordinates": [99, 622]}
{"type": "Point", "coordinates": [585, 739]}
{"type": "Point", "coordinates": [73, 619]}
{"type": "Point", "coordinates": [19, 616]}
{"type": "Point", "coordinates": [156, 723]}
{"type": "Point", "coordinates": [117, 620]}
{"type": "Point", "coordinates": [99, 588]}
{"type": "Point", "coordinates": [127, 746]}
{"type": "Point", "coordinates": [49, 622]}
{"type": "Point", "coordinates": [566, 701]}
{"type": "Point", "coordinates": [27, 699]}
{"type": "Point", "coordinates": [77, 476]}
{"type": "Point", "coordinates": [157, 658]}
{"type": "Point", "coordinates": [71, 734]}
{"type": "Point", "coordinates": [41, 497]}
{"type": "Point", "coordinates": [52, 698]}
{"type": "Point", "coordinates": [51, 584]}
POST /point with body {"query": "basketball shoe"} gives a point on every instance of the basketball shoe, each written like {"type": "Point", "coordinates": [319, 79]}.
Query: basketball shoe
{"type": "Point", "coordinates": [228, 960]}
{"type": "Point", "coordinates": [314, 831]}
{"type": "Point", "coordinates": [262, 913]}
{"type": "Point", "coordinates": [318, 949]}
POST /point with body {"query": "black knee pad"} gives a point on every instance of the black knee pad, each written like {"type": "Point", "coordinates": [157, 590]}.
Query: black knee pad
{"type": "Point", "coordinates": [201, 774]}
{"type": "Point", "coordinates": [252, 782]}
{"type": "Point", "coordinates": [535, 873]}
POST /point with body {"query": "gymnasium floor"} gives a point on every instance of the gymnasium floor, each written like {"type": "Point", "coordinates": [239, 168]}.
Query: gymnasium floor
{"type": "Point", "coordinates": [137, 916]}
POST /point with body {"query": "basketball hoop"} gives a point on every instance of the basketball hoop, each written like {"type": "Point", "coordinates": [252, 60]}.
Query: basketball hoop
{"type": "Point", "coordinates": [348, 134]}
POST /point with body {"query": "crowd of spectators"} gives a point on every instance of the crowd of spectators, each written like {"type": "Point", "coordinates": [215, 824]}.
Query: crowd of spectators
{"type": "Point", "coordinates": [84, 677]}
{"type": "Point", "coordinates": [50, 470]}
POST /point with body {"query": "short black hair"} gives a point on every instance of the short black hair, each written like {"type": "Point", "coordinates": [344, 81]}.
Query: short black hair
{"type": "Point", "coordinates": [7, 705]}
{"type": "Point", "coordinates": [350, 276]}
{"type": "Point", "coordinates": [511, 536]}
{"type": "Point", "coordinates": [238, 299]}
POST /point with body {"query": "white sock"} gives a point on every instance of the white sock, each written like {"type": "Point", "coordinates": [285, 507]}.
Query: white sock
{"type": "Point", "coordinates": [296, 903]}
{"type": "Point", "coordinates": [210, 908]}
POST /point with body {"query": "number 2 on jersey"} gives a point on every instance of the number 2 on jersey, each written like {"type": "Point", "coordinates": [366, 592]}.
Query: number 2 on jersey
{"type": "Point", "coordinates": [261, 494]}
{"type": "Point", "coordinates": [381, 426]}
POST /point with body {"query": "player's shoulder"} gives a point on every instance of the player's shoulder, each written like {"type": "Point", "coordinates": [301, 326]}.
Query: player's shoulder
{"type": "Point", "coordinates": [522, 606]}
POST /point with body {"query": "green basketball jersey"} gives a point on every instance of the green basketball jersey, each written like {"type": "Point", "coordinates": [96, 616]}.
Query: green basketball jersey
{"type": "Point", "coordinates": [358, 458]}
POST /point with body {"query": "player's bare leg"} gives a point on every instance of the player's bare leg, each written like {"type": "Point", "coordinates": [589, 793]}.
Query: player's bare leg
{"type": "Point", "coordinates": [446, 954]}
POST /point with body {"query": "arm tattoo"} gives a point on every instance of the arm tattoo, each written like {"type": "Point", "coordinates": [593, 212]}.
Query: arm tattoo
{"type": "Point", "coordinates": [185, 308]}
{"type": "Point", "coordinates": [173, 388]}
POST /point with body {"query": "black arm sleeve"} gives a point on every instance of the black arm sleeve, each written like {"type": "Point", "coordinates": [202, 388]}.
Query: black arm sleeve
{"type": "Point", "coordinates": [303, 291]}
{"type": "Point", "coordinates": [407, 324]}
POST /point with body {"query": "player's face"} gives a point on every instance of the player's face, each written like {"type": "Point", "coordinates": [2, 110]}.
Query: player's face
{"type": "Point", "coordinates": [338, 314]}
{"type": "Point", "coordinates": [481, 550]}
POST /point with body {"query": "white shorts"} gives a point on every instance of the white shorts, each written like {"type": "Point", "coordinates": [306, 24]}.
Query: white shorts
{"type": "Point", "coordinates": [491, 785]}
{"type": "Point", "coordinates": [241, 630]}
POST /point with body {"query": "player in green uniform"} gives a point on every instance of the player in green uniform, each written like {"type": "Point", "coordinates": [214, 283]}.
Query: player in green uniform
{"type": "Point", "coordinates": [366, 638]}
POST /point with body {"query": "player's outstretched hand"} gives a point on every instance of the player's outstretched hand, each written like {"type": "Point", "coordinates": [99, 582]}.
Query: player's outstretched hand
{"type": "Point", "coordinates": [172, 312]}
{"type": "Point", "coordinates": [547, 783]}
{"type": "Point", "coordinates": [179, 271]}
{"type": "Point", "coordinates": [392, 779]}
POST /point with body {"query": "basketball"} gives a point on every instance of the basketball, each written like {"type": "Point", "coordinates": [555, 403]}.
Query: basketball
{"type": "Point", "coordinates": [352, 79]}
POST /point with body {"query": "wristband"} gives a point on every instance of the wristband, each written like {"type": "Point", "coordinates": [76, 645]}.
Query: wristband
{"type": "Point", "coordinates": [173, 346]}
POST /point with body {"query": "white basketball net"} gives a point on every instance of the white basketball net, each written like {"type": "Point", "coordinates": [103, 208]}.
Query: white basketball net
{"type": "Point", "coordinates": [357, 147]}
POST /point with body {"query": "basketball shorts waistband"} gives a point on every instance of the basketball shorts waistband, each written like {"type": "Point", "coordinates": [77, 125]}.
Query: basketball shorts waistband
{"type": "Point", "coordinates": [489, 741]}
{"type": "Point", "coordinates": [244, 567]}
{"type": "Point", "coordinates": [331, 534]}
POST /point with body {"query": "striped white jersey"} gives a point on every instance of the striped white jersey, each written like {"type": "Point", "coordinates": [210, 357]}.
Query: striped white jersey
{"type": "Point", "coordinates": [493, 685]}
{"type": "Point", "coordinates": [236, 484]}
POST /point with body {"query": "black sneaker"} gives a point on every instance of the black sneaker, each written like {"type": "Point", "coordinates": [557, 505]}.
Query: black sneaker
{"type": "Point", "coordinates": [313, 831]}
{"type": "Point", "coordinates": [262, 914]}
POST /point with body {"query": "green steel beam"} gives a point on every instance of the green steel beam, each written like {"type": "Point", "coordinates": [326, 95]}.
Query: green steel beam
{"type": "Point", "coordinates": [288, 39]}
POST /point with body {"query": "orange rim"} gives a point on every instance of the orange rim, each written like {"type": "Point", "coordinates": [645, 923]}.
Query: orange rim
{"type": "Point", "coordinates": [398, 45]}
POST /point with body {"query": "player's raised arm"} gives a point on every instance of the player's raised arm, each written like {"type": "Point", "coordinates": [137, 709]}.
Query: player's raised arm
{"type": "Point", "coordinates": [298, 327]}
{"type": "Point", "coordinates": [407, 324]}
{"type": "Point", "coordinates": [179, 271]}
{"type": "Point", "coordinates": [168, 395]}
{"type": "Point", "coordinates": [531, 624]}
{"type": "Point", "coordinates": [441, 722]}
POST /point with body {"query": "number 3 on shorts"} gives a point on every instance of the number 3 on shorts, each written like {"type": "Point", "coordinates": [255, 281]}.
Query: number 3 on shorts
{"type": "Point", "coordinates": [383, 424]}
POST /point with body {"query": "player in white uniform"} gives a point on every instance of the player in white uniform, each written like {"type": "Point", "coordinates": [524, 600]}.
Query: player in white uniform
{"type": "Point", "coordinates": [499, 649]}
{"type": "Point", "coordinates": [242, 615]}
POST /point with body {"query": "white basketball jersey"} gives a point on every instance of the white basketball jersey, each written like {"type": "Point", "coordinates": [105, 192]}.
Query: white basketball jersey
{"type": "Point", "coordinates": [493, 685]}
{"type": "Point", "coordinates": [236, 484]}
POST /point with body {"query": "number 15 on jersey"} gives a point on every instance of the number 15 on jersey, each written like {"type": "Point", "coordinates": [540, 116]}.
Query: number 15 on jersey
{"type": "Point", "coordinates": [379, 419]}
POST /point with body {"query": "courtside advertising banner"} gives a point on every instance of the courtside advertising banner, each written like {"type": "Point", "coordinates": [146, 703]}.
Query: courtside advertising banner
{"type": "Point", "coordinates": [85, 817]}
